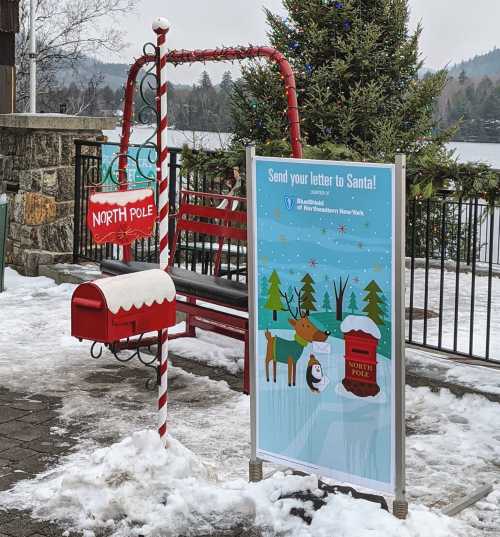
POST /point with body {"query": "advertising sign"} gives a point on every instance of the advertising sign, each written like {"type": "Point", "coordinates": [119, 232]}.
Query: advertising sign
{"type": "Point", "coordinates": [324, 318]}
{"type": "Point", "coordinates": [121, 217]}
{"type": "Point", "coordinates": [141, 164]}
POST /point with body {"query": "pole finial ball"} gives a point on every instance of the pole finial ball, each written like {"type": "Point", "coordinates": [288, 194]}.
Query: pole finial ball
{"type": "Point", "coordinates": [161, 25]}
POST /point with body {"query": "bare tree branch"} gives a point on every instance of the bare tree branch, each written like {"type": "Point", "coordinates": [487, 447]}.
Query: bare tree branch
{"type": "Point", "coordinates": [67, 30]}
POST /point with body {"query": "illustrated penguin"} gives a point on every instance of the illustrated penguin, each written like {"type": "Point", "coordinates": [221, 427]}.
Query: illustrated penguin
{"type": "Point", "coordinates": [315, 378]}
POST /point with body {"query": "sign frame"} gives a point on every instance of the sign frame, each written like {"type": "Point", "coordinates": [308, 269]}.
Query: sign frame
{"type": "Point", "coordinates": [397, 486]}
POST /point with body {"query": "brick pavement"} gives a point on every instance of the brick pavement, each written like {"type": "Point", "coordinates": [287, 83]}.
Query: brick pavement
{"type": "Point", "coordinates": [28, 447]}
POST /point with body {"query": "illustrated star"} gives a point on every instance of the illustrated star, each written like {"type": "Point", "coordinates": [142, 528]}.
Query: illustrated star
{"type": "Point", "coordinates": [265, 260]}
{"type": "Point", "coordinates": [342, 229]}
{"type": "Point", "coordinates": [282, 238]}
{"type": "Point", "coordinates": [377, 267]}
{"type": "Point", "coordinates": [313, 263]}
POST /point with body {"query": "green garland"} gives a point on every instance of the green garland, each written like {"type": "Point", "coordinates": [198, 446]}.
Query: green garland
{"type": "Point", "coordinates": [427, 172]}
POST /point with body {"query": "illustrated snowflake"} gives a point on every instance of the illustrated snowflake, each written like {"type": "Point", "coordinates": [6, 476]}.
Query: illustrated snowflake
{"type": "Point", "coordinates": [355, 280]}
{"type": "Point", "coordinates": [324, 231]}
{"type": "Point", "coordinates": [342, 229]}
{"type": "Point", "coordinates": [360, 245]}
{"type": "Point", "coordinates": [313, 263]}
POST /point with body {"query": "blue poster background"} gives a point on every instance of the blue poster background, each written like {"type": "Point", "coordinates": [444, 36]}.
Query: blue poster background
{"type": "Point", "coordinates": [317, 223]}
{"type": "Point", "coordinates": [144, 156]}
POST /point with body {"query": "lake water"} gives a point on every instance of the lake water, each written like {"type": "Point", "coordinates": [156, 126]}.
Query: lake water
{"type": "Point", "coordinates": [465, 151]}
{"type": "Point", "coordinates": [473, 152]}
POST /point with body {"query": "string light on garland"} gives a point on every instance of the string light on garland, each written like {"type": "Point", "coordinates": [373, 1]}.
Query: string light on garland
{"type": "Point", "coordinates": [309, 69]}
{"type": "Point", "coordinates": [294, 45]}
{"type": "Point", "coordinates": [347, 25]}
{"type": "Point", "coordinates": [339, 5]}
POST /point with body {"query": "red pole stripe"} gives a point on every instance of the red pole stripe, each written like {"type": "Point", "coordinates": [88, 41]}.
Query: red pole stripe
{"type": "Point", "coordinates": [162, 401]}
{"type": "Point", "coordinates": [162, 430]}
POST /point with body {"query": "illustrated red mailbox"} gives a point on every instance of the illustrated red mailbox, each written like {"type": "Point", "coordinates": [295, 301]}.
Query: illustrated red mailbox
{"type": "Point", "coordinates": [120, 307]}
{"type": "Point", "coordinates": [361, 336]}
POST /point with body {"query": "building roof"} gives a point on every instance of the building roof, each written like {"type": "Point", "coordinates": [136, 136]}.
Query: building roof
{"type": "Point", "coordinates": [9, 16]}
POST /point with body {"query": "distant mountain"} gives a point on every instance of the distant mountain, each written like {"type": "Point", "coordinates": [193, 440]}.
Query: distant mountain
{"type": "Point", "coordinates": [113, 75]}
{"type": "Point", "coordinates": [480, 66]}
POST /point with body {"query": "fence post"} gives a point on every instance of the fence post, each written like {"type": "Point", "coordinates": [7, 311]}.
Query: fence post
{"type": "Point", "coordinates": [78, 200]}
{"type": "Point", "coordinates": [172, 191]}
{"type": "Point", "coordinates": [4, 226]}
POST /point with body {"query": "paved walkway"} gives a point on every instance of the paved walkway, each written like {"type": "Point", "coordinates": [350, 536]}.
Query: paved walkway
{"type": "Point", "coordinates": [29, 444]}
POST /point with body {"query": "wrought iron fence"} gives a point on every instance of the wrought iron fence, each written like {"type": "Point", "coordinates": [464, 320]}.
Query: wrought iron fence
{"type": "Point", "coordinates": [194, 250]}
{"type": "Point", "coordinates": [452, 258]}
{"type": "Point", "coordinates": [453, 276]}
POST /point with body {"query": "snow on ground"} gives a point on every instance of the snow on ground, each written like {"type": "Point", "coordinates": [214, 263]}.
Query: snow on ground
{"type": "Point", "coordinates": [464, 311]}
{"type": "Point", "coordinates": [119, 479]}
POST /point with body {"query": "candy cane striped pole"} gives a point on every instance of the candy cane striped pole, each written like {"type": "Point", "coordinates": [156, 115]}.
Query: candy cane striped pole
{"type": "Point", "coordinates": [161, 27]}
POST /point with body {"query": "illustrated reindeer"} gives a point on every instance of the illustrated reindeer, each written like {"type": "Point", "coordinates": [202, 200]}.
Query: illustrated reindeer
{"type": "Point", "coordinates": [287, 351]}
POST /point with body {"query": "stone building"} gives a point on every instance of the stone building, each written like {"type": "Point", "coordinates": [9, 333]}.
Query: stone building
{"type": "Point", "coordinates": [37, 154]}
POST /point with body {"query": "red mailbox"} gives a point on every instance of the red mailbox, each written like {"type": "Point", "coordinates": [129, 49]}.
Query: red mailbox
{"type": "Point", "coordinates": [361, 336]}
{"type": "Point", "coordinates": [120, 307]}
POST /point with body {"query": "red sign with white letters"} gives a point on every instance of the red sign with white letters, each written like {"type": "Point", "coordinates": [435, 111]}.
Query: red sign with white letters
{"type": "Point", "coordinates": [121, 217]}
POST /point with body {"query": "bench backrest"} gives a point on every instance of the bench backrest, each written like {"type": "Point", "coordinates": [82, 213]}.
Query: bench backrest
{"type": "Point", "coordinates": [211, 215]}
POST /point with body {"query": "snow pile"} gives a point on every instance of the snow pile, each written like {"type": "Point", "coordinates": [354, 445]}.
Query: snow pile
{"type": "Point", "coordinates": [360, 323]}
{"type": "Point", "coordinates": [212, 349]}
{"type": "Point", "coordinates": [137, 488]}
{"type": "Point", "coordinates": [136, 289]}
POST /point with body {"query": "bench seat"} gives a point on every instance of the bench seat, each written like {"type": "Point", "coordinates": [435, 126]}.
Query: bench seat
{"type": "Point", "coordinates": [187, 282]}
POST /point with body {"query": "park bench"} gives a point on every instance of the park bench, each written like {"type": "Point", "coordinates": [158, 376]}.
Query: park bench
{"type": "Point", "coordinates": [209, 301]}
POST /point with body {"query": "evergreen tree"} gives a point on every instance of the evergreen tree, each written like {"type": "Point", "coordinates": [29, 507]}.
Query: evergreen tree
{"type": "Point", "coordinates": [373, 302]}
{"type": "Point", "coordinates": [356, 65]}
{"type": "Point", "coordinates": [353, 306]}
{"type": "Point", "coordinates": [326, 302]}
{"type": "Point", "coordinates": [274, 295]}
{"type": "Point", "coordinates": [307, 297]}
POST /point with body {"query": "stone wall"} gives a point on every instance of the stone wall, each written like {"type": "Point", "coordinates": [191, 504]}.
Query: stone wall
{"type": "Point", "coordinates": [37, 155]}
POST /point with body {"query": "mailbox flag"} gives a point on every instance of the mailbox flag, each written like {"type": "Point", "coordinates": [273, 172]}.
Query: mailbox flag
{"type": "Point", "coordinates": [121, 217]}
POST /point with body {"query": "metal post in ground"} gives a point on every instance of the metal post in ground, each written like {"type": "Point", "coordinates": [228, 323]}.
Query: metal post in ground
{"type": "Point", "coordinates": [254, 465]}
{"type": "Point", "coordinates": [400, 505]}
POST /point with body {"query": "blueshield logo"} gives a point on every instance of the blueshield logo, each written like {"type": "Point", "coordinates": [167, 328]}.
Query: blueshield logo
{"type": "Point", "coordinates": [289, 202]}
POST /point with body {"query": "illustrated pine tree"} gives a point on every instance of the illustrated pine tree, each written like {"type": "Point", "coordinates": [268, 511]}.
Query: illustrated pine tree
{"type": "Point", "coordinates": [339, 297]}
{"type": "Point", "coordinates": [307, 295]}
{"type": "Point", "coordinates": [274, 302]}
{"type": "Point", "coordinates": [353, 305]}
{"type": "Point", "coordinates": [356, 66]}
{"type": "Point", "coordinates": [373, 303]}
{"type": "Point", "coordinates": [326, 302]}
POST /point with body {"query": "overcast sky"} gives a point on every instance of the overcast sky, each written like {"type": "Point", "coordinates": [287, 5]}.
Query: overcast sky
{"type": "Point", "coordinates": [453, 29]}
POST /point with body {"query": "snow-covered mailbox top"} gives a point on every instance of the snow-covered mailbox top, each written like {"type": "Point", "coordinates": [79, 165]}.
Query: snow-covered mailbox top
{"type": "Point", "coordinates": [119, 307]}
{"type": "Point", "coordinates": [360, 323]}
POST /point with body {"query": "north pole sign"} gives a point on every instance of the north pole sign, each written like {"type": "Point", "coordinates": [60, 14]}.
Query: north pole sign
{"type": "Point", "coordinates": [121, 217]}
